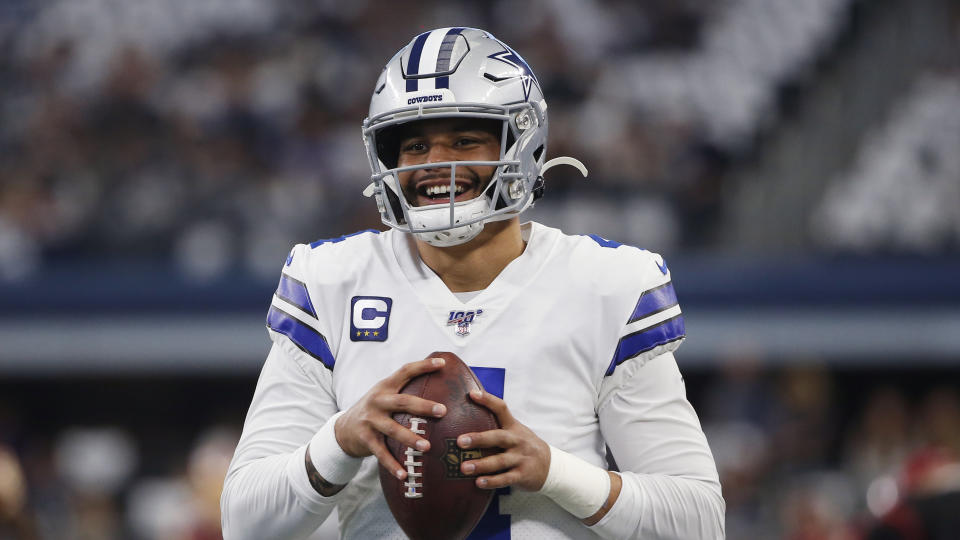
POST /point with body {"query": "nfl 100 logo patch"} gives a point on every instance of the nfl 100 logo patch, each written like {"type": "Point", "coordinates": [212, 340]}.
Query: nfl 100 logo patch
{"type": "Point", "coordinates": [462, 320]}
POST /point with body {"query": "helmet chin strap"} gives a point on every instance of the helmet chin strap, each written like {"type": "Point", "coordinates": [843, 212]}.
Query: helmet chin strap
{"type": "Point", "coordinates": [452, 237]}
{"type": "Point", "coordinates": [462, 234]}
{"type": "Point", "coordinates": [562, 160]}
{"type": "Point", "coordinates": [432, 216]}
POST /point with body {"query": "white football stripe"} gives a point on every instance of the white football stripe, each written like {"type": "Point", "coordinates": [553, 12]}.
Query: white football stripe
{"type": "Point", "coordinates": [431, 49]}
{"type": "Point", "coordinates": [640, 324]}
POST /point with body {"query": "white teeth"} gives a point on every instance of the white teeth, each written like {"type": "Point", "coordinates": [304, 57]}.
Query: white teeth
{"type": "Point", "coordinates": [442, 189]}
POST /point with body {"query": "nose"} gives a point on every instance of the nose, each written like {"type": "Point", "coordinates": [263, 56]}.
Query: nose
{"type": "Point", "coordinates": [440, 153]}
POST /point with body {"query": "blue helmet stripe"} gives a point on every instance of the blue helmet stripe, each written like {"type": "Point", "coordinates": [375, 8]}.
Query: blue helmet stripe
{"type": "Point", "coordinates": [305, 338]}
{"type": "Point", "coordinates": [294, 292]}
{"type": "Point", "coordinates": [654, 301]}
{"type": "Point", "coordinates": [646, 339]}
{"type": "Point", "coordinates": [413, 65]}
{"type": "Point", "coordinates": [443, 57]}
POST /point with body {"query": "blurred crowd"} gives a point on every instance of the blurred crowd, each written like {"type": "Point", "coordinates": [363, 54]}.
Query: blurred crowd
{"type": "Point", "coordinates": [804, 453]}
{"type": "Point", "coordinates": [89, 484]}
{"type": "Point", "coordinates": [903, 192]}
{"type": "Point", "coordinates": [216, 133]}
{"type": "Point", "coordinates": [803, 458]}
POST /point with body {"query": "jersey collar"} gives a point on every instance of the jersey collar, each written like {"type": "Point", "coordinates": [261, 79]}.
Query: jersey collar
{"type": "Point", "coordinates": [512, 280]}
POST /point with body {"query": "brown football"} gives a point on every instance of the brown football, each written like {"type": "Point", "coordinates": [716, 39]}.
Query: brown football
{"type": "Point", "coordinates": [437, 501]}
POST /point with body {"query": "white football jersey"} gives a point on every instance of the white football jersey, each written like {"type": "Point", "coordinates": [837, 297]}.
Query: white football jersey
{"type": "Point", "coordinates": [575, 335]}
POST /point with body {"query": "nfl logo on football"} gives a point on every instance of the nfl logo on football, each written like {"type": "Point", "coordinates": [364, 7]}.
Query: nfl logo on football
{"type": "Point", "coordinates": [462, 320]}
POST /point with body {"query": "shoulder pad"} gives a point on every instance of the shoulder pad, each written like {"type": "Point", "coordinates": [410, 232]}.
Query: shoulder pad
{"type": "Point", "coordinates": [292, 312]}
{"type": "Point", "coordinates": [654, 324]}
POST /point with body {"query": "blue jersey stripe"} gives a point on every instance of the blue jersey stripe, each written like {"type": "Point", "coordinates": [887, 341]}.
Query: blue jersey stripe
{"type": "Point", "coordinates": [341, 238]}
{"type": "Point", "coordinates": [443, 57]}
{"type": "Point", "coordinates": [491, 378]}
{"type": "Point", "coordinates": [603, 241]}
{"type": "Point", "coordinates": [307, 339]}
{"type": "Point", "coordinates": [294, 292]}
{"type": "Point", "coordinates": [646, 339]}
{"type": "Point", "coordinates": [654, 301]}
{"type": "Point", "coordinates": [413, 64]}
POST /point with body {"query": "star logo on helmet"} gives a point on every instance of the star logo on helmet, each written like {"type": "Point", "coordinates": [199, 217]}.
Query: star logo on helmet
{"type": "Point", "coordinates": [508, 56]}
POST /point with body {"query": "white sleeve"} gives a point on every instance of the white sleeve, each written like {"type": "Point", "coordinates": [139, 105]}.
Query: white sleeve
{"type": "Point", "coordinates": [670, 483]}
{"type": "Point", "coordinates": [267, 493]}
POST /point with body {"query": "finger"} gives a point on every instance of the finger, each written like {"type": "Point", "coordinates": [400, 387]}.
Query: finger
{"type": "Point", "coordinates": [491, 464]}
{"type": "Point", "coordinates": [409, 404]}
{"type": "Point", "coordinates": [402, 434]}
{"type": "Point", "coordinates": [495, 438]}
{"type": "Point", "coordinates": [498, 481]}
{"type": "Point", "coordinates": [496, 405]}
{"type": "Point", "coordinates": [386, 460]}
{"type": "Point", "coordinates": [413, 369]}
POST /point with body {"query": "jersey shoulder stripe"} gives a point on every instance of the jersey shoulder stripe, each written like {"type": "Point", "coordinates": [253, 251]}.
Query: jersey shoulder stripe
{"type": "Point", "coordinates": [653, 301]}
{"type": "Point", "coordinates": [312, 279]}
{"type": "Point", "coordinates": [668, 331]}
{"type": "Point", "coordinates": [294, 292]}
{"type": "Point", "coordinates": [655, 324]}
{"type": "Point", "coordinates": [307, 339]}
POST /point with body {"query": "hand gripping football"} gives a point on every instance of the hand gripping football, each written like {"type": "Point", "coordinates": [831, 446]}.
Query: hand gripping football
{"type": "Point", "coordinates": [437, 501]}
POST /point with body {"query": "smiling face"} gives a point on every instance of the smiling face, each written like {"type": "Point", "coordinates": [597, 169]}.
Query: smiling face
{"type": "Point", "coordinates": [442, 140]}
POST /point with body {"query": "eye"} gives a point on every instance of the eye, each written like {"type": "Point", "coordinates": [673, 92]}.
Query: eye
{"type": "Point", "coordinates": [413, 147]}
{"type": "Point", "coordinates": [466, 141]}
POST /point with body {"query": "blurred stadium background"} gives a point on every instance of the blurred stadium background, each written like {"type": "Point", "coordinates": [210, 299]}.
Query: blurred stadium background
{"type": "Point", "coordinates": [798, 162]}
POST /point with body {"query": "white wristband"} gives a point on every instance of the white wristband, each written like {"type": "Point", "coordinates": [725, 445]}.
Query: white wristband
{"type": "Point", "coordinates": [333, 464]}
{"type": "Point", "coordinates": [577, 486]}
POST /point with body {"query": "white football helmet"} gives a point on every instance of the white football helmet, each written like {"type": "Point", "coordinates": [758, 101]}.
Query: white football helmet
{"type": "Point", "coordinates": [459, 72]}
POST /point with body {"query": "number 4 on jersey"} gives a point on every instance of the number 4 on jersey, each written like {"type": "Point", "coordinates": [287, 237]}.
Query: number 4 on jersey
{"type": "Point", "coordinates": [493, 525]}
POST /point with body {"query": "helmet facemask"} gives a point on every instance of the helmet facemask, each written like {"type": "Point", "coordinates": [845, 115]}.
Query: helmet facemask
{"type": "Point", "coordinates": [507, 193]}
{"type": "Point", "coordinates": [459, 73]}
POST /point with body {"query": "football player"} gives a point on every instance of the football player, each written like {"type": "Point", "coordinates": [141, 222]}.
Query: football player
{"type": "Point", "coordinates": [571, 336]}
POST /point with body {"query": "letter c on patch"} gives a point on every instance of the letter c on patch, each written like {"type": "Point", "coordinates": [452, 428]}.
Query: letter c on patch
{"type": "Point", "coordinates": [369, 313]}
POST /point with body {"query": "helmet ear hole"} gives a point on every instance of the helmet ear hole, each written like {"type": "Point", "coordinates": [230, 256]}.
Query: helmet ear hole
{"type": "Point", "coordinates": [501, 200]}
{"type": "Point", "coordinates": [394, 201]}
{"type": "Point", "coordinates": [537, 153]}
